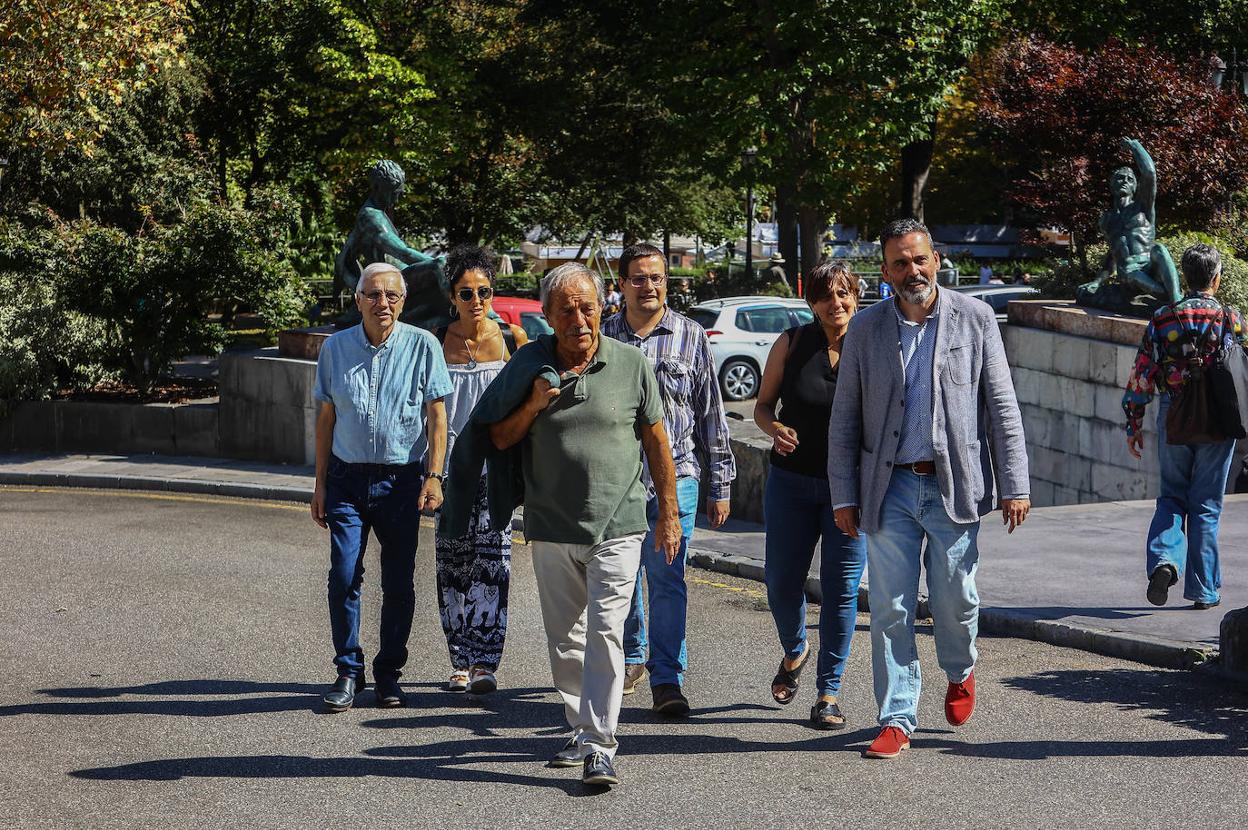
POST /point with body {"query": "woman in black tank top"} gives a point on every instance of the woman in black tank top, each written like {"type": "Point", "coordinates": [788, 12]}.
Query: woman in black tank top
{"type": "Point", "coordinates": [801, 376]}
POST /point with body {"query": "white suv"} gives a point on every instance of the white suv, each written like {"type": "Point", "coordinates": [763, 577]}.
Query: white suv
{"type": "Point", "coordinates": [741, 331]}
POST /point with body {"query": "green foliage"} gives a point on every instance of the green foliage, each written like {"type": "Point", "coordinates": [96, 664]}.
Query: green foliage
{"type": "Point", "coordinates": [44, 345]}
{"type": "Point", "coordinates": [517, 284]}
{"type": "Point", "coordinates": [1061, 115]}
{"type": "Point", "coordinates": [63, 63]}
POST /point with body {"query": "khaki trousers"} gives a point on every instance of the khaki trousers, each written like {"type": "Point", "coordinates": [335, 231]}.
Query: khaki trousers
{"type": "Point", "coordinates": [585, 592]}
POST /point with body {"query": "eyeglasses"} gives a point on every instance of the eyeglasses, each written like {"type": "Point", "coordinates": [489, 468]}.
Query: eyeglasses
{"type": "Point", "coordinates": [640, 282]}
{"type": "Point", "coordinates": [392, 297]}
{"type": "Point", "coordinates": [484, 292]}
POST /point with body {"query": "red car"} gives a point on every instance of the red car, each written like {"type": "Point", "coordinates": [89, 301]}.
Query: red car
{"type": "Point", "coordinates": [522, 312]}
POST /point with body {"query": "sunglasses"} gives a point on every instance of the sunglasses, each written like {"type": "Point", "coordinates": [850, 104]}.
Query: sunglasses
{"type": "Point", "coordinates": [483, 292]}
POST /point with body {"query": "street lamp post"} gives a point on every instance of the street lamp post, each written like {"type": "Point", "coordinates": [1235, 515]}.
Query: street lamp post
{"type": "Point", "coordinates": [747, 162]}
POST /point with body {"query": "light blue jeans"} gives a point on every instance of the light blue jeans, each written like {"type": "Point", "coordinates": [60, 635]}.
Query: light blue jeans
{"type": "Point", "coordinates": [668, 595]}
{"type": "Point", "coordinates": [1193, 480]}
{"type": "Point", "coordinates": [913, 512]}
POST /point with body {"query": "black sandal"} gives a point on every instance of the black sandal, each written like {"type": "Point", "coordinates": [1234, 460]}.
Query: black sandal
{"type": "Point", "coordinates": [823, 714]}
{"type": "Point", "coordinates": [788, 679]}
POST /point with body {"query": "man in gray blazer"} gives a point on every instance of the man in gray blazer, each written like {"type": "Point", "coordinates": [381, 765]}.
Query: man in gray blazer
{"type": "Point", "coordinates": [923, 415]}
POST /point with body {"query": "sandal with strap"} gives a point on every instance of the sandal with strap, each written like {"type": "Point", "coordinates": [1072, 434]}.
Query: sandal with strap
{"type": "Point", "coordinates": [458, 681]}
{"type": "Point", "coordinates": [825, 714]}
{"type": "Point", "coordinates": [788, 679]}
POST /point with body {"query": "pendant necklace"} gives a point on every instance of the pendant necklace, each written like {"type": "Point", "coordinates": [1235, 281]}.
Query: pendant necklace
{"type": "Point", "coordinates": [472, 356]}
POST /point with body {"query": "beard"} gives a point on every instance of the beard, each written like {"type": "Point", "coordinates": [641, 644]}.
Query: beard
{"type": "Point", "coordinates": [917, 294]}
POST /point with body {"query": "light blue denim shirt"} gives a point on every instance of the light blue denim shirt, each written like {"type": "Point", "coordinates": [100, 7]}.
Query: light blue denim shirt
{"type": "Point", "coordinates": [917, 343]}
{"type": "Point", "coordinates": [379, 393]}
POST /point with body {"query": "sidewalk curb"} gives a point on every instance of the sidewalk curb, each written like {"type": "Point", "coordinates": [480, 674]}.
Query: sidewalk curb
{"type": "Point", "coordinates": [1137, 648]}
{"type": "Point", "coordinates": [159, 484]}
{"type": "Point", "coordinates": [1000, 622]}
{"type": "Point", "coordinates": [188, 486]}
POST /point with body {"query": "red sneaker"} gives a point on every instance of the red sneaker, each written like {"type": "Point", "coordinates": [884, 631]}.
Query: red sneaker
{"type": "Point", "coordinates": [890, 743]}
{"type": "Point", "coordinates": [960, 701]}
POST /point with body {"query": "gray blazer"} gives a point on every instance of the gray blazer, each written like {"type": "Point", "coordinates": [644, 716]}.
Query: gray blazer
{"type": "Point", "coordinates": [975, 415]}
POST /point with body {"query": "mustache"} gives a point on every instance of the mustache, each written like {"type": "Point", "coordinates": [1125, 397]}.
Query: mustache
{"type": "Point", "coordinates": [578, 331]}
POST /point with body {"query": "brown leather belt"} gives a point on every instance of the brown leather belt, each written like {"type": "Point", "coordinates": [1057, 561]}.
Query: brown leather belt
{"type": "Point", "coordinates": [919, 468]}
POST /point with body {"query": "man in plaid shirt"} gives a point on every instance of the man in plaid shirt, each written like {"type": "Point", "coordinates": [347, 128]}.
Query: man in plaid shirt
{"type": "Point", "coordinates": [1193, 476]}
{"type": "Point", "coordinates": [693, 413]}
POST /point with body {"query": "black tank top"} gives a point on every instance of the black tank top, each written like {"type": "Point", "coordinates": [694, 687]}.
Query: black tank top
{"type": "Point", "coordinates": [806, 393]}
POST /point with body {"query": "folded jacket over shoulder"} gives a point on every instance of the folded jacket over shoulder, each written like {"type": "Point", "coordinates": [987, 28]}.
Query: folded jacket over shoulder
{"type": "Point", "coordinates": [473, 448]}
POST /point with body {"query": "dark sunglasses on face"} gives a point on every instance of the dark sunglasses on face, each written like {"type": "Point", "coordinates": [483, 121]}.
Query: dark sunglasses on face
{"type": "Point", "coordinates": [483, 292]}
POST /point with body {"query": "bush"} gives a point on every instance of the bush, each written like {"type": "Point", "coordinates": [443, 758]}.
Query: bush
{"type": "Point", "coordinates": [138, 302]}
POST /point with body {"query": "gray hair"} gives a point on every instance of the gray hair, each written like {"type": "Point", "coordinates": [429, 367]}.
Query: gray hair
{"type": "Point", "coordinates": [1201, 263]}
{"type": "Point", "coordinates": [563, 276]}
{"type": "Point", "coordinates": [901, 227]}
{"type": "Point", "coordinates": [379, 268]}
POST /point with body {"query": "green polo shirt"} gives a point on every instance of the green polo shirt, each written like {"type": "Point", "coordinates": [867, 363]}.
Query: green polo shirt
{"type": "Point", "coordinates": [582, 456]}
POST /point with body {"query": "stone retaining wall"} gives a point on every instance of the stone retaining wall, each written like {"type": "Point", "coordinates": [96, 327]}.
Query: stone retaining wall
{"type": "Point", "coordinates": [98, 427]}
{"type": "Point", "coordinates": [1070, 394]}
{"type": "Point", "coordinates": [267, 409]}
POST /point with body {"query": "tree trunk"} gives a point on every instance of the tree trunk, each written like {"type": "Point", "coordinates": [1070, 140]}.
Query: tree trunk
{"type": "Point", "coordinates": [916, 164]}
{"type": "Point", "coordinates": [786, 221]}
{"type": "Point", "coordinates": [812, 224]}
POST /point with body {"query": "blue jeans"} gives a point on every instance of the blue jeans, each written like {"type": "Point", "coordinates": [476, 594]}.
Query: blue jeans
{"type": "Point", "coordinates": [912, 512]}
{"type": "Point", "coordinates": [665, 587]}
{"type": "Point", "coordinates": [797, 510]}
{"type": "Point", "coordinates": [1193, 480]}
{"type": "Point", "coordinates": [360, 497]}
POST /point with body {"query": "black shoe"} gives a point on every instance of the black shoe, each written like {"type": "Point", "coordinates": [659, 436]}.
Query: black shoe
{"type": "Point", "coordinates": [342, 694]}
{"type": "Point", "coordinates": [1205, 606]}
{"type": "Point", "coordinates": [1159, 584]}
{"type": "Point", "coordinates": [598, 771]}
{"type": "Point", "coordinates": [669, 701]}
{"type": "Point", "coordinates": [388, 693]}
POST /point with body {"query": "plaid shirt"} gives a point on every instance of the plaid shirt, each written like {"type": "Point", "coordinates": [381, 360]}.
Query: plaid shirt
{"type": "Point", "coordinates": [1162, 363]}
{"type": "Point", "coordinates": [693, 411]}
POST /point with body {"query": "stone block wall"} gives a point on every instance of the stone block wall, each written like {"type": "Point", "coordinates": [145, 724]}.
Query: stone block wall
{"type": "Point", "coordinates": [1070, 394]}
{"type": "Point", "coordinates": [267, 411]}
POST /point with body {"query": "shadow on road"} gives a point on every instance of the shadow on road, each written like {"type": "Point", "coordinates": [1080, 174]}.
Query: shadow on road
{"type": "Point", "coordinates": [1181, 698]}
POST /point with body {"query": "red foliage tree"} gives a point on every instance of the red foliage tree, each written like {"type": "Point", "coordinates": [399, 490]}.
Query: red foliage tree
{"type": "Point", "coordinates": [1059, 115]}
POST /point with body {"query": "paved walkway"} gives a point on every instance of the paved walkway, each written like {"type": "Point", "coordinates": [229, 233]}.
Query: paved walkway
{"type": "Point", "coordinates": [1072, 576]}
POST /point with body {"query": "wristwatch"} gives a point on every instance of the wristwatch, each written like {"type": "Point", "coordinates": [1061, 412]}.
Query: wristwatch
{"type": "Point", "coordinates": [441, 477]}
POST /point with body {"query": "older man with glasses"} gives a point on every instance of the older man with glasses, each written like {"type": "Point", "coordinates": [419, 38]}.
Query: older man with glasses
{"type": "Point", "coordinates": [380, 445]}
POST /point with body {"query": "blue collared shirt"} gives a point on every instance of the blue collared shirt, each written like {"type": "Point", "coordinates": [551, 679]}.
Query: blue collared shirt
{"type": "Point", "coordinates": [379, 392]}
{"type": "Point", "coordinates": [917, 342]}
{"type": "Point", "coordinates": [693, 411]}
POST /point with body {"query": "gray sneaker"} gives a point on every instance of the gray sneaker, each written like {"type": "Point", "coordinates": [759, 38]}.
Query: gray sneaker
{"type": "Point", "coordinates": [634, 673]}
{"type": "Point", "coordinates": [569, 756]}
{"type": "Point", "coordinates": [598, 771]}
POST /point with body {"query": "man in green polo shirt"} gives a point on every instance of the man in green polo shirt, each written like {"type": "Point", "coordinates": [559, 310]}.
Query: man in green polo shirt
{"type": "Point", "coordinates": [585, 505]}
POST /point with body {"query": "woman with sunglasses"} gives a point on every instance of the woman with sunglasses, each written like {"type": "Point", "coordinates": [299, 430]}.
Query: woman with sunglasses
{"type": "Point", "coordinates": [473, 571]}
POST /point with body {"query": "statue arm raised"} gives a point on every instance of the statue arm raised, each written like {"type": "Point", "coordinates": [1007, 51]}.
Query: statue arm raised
{"type": "Point", "coordinates": [1146, 192]}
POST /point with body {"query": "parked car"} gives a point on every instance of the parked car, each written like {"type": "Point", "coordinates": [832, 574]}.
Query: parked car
{"type": "Point", "coordinates": [741, 331]}
{"type": "Point", "coordinates": [998, 296]}
{"type": "Point", "coordinates": [522, 312]}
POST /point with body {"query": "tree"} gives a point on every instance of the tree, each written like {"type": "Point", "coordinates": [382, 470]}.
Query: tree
{"type": "Point", "coordinates": [1060, 115]}
{"type": "Point", "coordinates": [829, 92]}
{"type": "Point", "coordinates": [63, 62]}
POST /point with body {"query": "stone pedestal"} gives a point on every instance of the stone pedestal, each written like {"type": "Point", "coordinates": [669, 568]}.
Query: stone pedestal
{"type": "Point", "coordinates": [267, 411]}
{"type": "Point", "coordinates": [1233, 643]}
{"type": "Point", "coordinates": [1064, 317]}
{"type": "Point", "coordinates": [303, 344]}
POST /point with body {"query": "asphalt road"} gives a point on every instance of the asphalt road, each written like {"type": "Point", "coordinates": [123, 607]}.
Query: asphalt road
{"type": "Point", "coordinates": [164, 656]}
